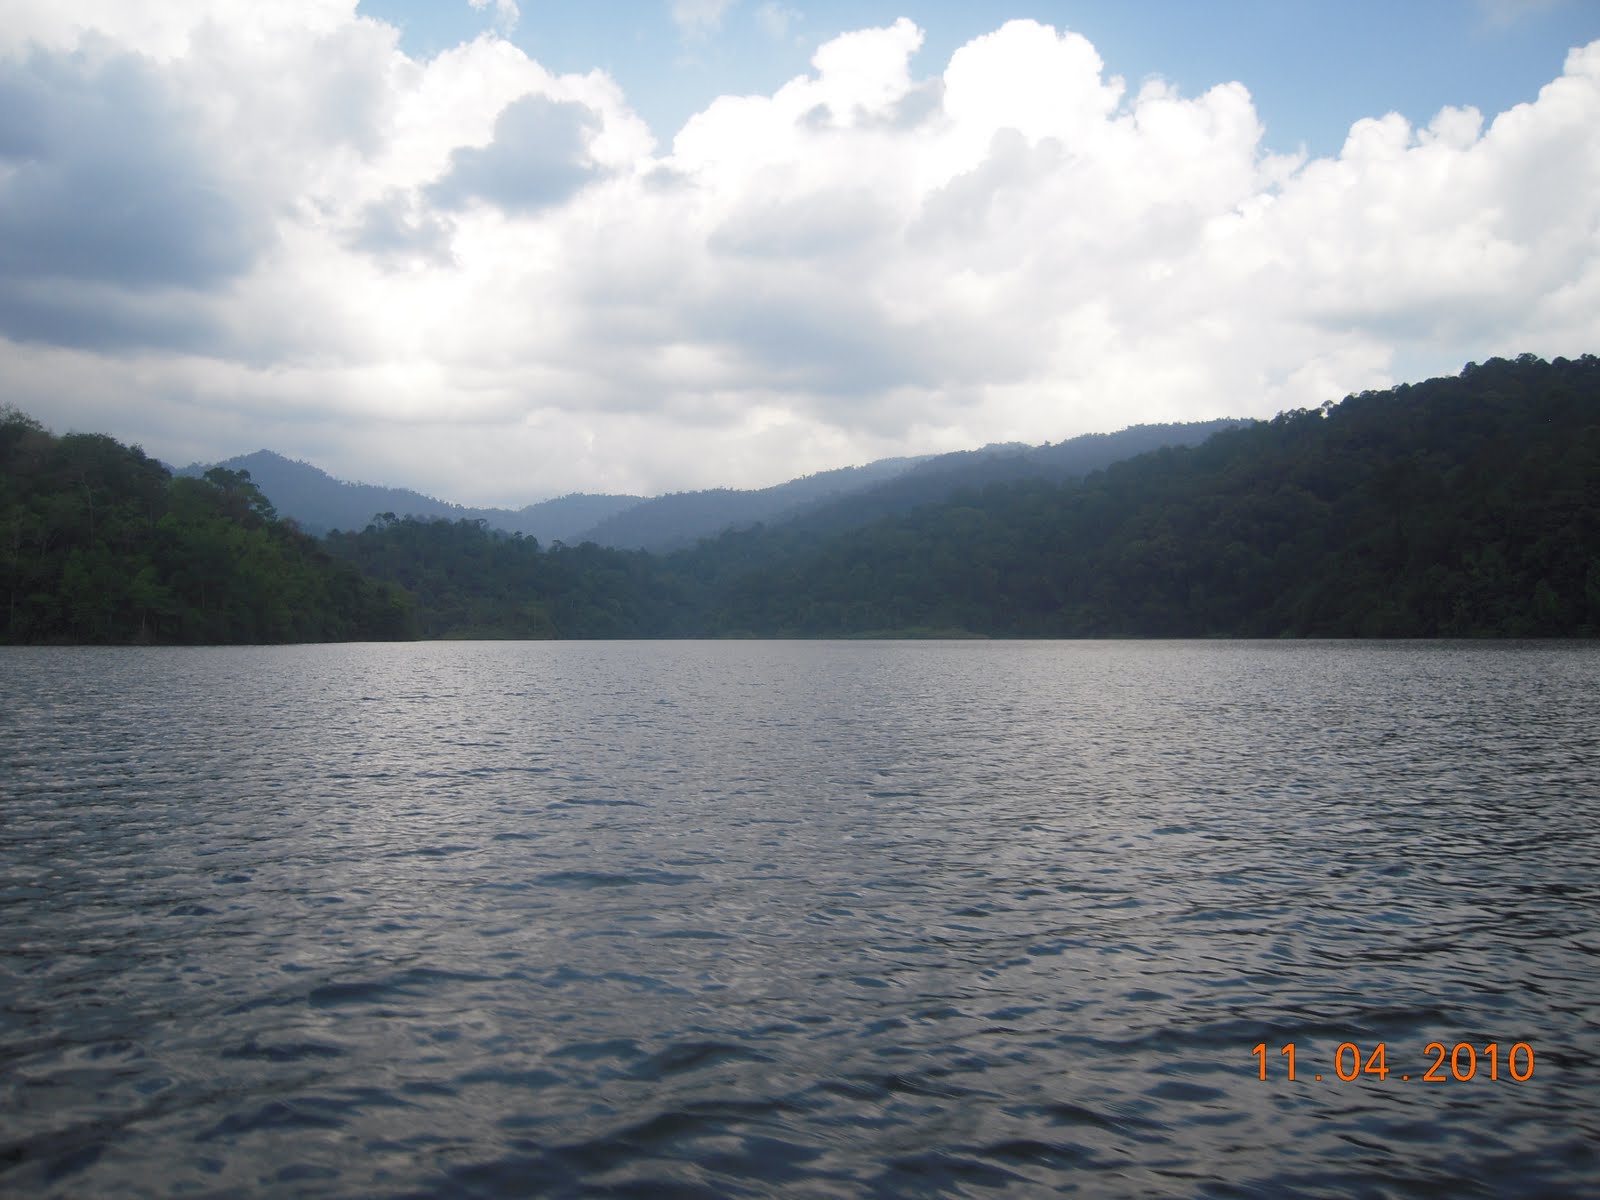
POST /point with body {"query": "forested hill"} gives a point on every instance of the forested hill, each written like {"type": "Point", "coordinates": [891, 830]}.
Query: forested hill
{"type": "Point", "coordinates": [1466, 506]}
{"type": "Point", "coordinates": [99, 543]}
{"type": "Point", "coordinates": [828, 500]}
{"type": "Point", "coordinates": [835, 501]}
{"type": "Point", "coordinates": [935, 479]}
{"type": "Point", "coordinates": [680, 519]}
{"type": "Point", "coordinates": [1463, 506]}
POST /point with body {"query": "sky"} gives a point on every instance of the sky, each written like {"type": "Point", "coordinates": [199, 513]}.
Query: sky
{"type": "Point", "coordinates": [499, 251]}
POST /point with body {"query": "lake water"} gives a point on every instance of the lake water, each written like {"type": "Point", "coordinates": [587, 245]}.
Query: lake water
{"type": "Point", "coordinates": [800, 919]}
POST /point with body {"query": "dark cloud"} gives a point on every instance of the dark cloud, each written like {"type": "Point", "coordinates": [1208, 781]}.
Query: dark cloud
{"type": "Point", "coordinates": [25, 117]}
{"type": "Point", "coordinates": [817, 118]}
{"type": "Point", "coordinates": [920, 105]}
{"type": "Point", "coordinates": [539, 157]}
{"type": "Point", "coordinates": [820, 338]}
{"type": "Point", "coordinates": [666, 180]}
{"type": "Point", "coordinates": [917, 107]}
{"type": "Point", "coordinates": [92, 316]}
{"type": "Point", "coordinates": [101, 181]}
{"type": "Point", "coordinates": [960, 210]}
{"type": "Point", "coordinates": [393, 232]}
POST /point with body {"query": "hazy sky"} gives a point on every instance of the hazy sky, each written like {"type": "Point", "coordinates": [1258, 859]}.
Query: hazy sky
{"type": "Point", "coordinates": [499, 252]}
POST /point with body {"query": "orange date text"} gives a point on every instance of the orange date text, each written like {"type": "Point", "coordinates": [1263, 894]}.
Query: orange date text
{"type": "Point", "coordinates": [1439, 1064]}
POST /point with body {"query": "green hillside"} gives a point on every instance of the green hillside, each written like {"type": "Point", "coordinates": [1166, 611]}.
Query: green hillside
{"type": "Point", "coordinates": [1465, 506]}
{"type": "Point", "coordinates": [99, 543]}
{"type": "Point", "coordinates": [1460, 507]}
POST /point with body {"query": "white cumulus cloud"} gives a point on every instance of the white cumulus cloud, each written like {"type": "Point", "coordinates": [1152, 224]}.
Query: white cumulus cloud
{"type": "Point", "coordinates": [478, 277]}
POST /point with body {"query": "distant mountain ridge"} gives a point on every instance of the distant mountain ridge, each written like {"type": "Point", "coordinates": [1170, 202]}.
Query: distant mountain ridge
{"type": "Point", "coordinates": [835, 501]}
{"type": "Point", "coordinates": [319, 503]}
{"type": "Point", "coordinates": [828, 501]}
{"type": "Point", "coordinates": [937, 479]}
{"type": "Point", "coordinates": [680, 518]}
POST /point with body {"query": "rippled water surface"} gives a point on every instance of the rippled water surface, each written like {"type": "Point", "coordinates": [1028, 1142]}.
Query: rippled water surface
{"type": "Point", "coordinates": [799, 919]}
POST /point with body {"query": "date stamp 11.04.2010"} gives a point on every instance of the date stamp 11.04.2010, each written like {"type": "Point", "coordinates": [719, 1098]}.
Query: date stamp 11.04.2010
{"type": "Point", "coordinates": [1439, 1063]}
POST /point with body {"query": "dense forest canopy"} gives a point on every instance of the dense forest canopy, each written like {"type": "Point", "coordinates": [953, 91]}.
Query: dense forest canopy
{"type": "Point", "coordinates": [1464, 506]}
{"type": "Point", "coordinates": [100, 544]}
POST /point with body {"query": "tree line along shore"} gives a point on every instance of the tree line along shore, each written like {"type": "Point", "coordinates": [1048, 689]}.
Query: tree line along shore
{"type": "Point", "coordinates": [1464, 506]}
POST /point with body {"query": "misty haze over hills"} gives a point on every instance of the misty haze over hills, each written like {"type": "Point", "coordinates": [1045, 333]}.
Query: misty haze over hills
{"type": "Point", "coordinates": [835, 500]}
